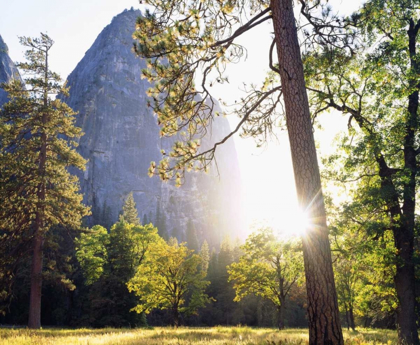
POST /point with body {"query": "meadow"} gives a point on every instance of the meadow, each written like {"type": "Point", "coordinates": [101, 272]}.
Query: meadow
{"type": "Point", "coordinates": [182, 336]}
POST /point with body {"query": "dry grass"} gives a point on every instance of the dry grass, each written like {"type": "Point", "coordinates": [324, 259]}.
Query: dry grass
{"type": "Point", "coordinates": [182, 336]}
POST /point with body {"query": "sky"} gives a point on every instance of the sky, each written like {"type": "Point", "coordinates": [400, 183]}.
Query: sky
{"type": "Point", "coordinates": [266, 173]}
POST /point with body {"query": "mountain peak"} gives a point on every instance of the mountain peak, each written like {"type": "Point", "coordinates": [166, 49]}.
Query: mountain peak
{"type": "Point", "coordinates": [130, 15]}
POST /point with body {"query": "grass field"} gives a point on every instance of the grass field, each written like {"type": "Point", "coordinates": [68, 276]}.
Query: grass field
{"type": "Point", "coordinates": [181, 336]}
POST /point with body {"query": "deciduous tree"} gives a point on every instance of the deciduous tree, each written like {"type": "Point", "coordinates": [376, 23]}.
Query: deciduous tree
{"type": "Point", "coordinates": [170, 273]}
{"type": "Point", "coordinates": [378, 88]}
{"type": "Point", "coordinates": [92, 253]}
{"type": "Point", "coordinates": [268, 268]}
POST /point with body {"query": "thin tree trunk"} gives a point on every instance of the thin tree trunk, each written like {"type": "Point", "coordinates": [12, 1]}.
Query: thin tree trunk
{"type": "Point", "coordinates": [175, 314]}
{"type": "Point", "coordinates": [351, 318]}
{"type": "Point", "coordinates": [366, 322]}
{"type": "Point", "coordinates": [347, 319]}
{"type": "Point", "coordinates": [323, 314]}
{"type": "Point", "coordinates": [280, 315]}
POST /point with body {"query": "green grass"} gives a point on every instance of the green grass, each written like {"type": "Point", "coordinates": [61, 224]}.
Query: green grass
{"type": "Point", "coordinates": [182, 336]}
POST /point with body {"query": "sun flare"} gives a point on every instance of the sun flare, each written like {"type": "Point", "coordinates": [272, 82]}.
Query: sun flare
{"type": "Point", "coordinates": [293, 223]}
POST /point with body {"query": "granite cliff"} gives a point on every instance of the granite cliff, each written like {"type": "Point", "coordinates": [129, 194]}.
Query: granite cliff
{"type": "Point", "coordinates": [122, 138]}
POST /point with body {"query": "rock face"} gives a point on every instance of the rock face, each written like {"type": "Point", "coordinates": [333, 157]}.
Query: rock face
{"type": "Point", "coordinates": [122, 138]}
{"type": "Point", "coordinates": [8, 70]}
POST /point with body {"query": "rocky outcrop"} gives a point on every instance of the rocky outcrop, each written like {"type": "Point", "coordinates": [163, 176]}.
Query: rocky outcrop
{"type": "Point", "coordinates": [122, 138]}
{"type": "Point", "coordinates": [8, 70]}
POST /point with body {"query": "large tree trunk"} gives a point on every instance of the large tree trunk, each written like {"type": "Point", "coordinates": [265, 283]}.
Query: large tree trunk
{"type": "Point", "coordinates": [404, 232]}
{"type": "Point", "coordinates": [323, 314]}
{"type": "Point", "coordinates": [36, 283]}
{"type": "Point", "coordinates": [405, 287]}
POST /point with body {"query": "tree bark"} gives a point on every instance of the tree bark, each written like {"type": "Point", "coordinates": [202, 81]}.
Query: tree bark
{"type": "Point", "coordinates": [323, 314]}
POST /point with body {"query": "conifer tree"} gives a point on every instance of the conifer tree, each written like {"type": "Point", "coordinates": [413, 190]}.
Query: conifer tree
{"type": "Point", "coordinates": [191, 234]}
{"type": "Point", "coordinates": [130, 214]}
{"type": "Point", "coordinates": [179, 234]}
{"type": "Point", "coordinates": [161, 223]}
{"type": "Point", "coordinates": [108, 262]}
{"type": "Point", "coordinates": [36, 190]}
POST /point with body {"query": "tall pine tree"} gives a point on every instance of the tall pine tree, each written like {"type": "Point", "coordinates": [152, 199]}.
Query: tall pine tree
{"type": "Point", "coordinates": [36, 147]}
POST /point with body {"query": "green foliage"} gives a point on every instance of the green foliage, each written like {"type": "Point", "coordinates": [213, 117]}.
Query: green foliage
{"type": "Point", "coordinates": [91, 252]}
{"type": "Point", "coordinates": [364, 269]}
{"type": "Point", "coordinates": [130, 214]}
{"type": "Point", "coordinates": [169, 273]}
{"type": "Point", "coordinates": [268, 268]}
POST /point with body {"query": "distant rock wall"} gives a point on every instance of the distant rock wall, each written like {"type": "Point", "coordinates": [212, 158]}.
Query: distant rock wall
{"type": "Point", "coordinates": [8, 70]}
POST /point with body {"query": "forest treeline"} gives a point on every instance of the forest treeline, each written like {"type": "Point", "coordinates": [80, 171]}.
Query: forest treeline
{"type": "Point", "coordinates": [124, 276]}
